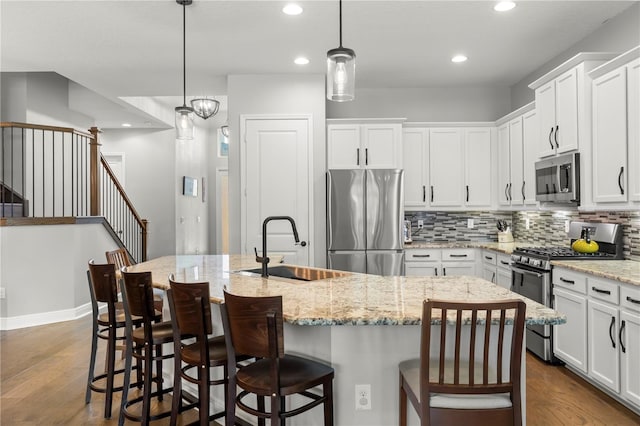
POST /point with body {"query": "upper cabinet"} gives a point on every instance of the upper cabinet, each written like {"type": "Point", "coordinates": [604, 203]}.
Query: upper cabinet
{"type": "Point", "coordinates": [445, 167]}
{"type": "Point", "coordinates": [616, 142]}
{"type": "Point", "coordinates": [415, 153]}
{"type": "Point", "coordinates": [477, 170]}
{"type": "Point", "coordinates": [372, 144]}
{"type": "Point", "coordinates": [562, 99]}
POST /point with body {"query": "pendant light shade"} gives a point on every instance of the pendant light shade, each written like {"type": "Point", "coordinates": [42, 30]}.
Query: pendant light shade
{"type": "Point", "coordinates": [205, 107]}
{"type": "Point", "coordinates": [184, 114]}
{"type": "Point", "coordinates": [225, 130]}
{"type": "Point", "coordinates": [184, 123]}
{"type": "Point", "coordinates": [341, 71]}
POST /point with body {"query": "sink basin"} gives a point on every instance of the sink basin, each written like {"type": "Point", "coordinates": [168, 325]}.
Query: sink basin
{"type": "Point", "coordinates": [299, 273]}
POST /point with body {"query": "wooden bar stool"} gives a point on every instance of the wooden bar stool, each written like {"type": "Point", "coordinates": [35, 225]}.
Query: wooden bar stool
{"type": "Point", "coordinates": [103, 289]}
{"type": "Point", "coordinates": [253, 327]}
{"type": "Point", "coordinates": [120, 257]}
{"type": "Point", "coordinates": [145, 344]}
{"type": "Point", "coordinates": [461, 379]}
{"type": "Point", "coordinates": [191, 317]}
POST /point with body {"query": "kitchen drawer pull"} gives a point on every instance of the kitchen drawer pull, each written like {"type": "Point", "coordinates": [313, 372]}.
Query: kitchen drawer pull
{"type": "Point", "coordinates": [613, 322]}
{"type": "Point", "coordinates": [505, 263]}
{"type": "Point", "coordinates": [467, 193]}
{"type": "Point", "coordinates": [436, 270]}
{"type": "Point", "coordinates": [632, 300]}
{"type": "Point", "coordinates": [493, 278]}
{"type": "Point", "coordinates": [432, 193]}
{"type": "Point", "coordinates": [444, 272]}
{"type": "Point", "coordinates": [555, 136]}
{"type": "Point", "coordinates": [366, 156]}
{"type": "Point", "coordinates": [551, 133]}
{"type": "Point", "coordinates": [488, 257]}
{"type": "Point", "coordinates": [564, 280]}
{"type": "Point", "coordinates": [357, 156]}
{"type": "Point", "coordinates": [458, 255]}
{"type": "Point", "coordinates": [424, 193]}
{"type": "Point", "coordinates": [620, 180]}
{"type": "Point", "coordinates": [624, 350]}
{"type": "Point", "coordinates": [597, 290]}
{"type": "Point", "coordinates": [420, 255]}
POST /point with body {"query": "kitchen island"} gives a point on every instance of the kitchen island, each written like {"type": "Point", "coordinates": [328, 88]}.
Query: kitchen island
{"type": "Point", "coordinates": [363, 325]}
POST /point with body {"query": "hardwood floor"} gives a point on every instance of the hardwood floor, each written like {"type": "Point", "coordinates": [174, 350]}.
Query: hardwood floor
{"type": "Point", "coordinates": [43, 372]}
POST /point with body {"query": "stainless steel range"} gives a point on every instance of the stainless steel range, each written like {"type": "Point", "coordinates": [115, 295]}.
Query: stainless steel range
{"type": "Point", "coordinates": [531, 273]}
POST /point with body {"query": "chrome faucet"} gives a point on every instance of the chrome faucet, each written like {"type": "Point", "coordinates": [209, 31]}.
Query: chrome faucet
{"type": "Point", "coordinates": [264, 259]}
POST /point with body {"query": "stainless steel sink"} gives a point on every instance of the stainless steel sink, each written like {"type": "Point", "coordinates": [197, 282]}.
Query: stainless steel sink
{"type": "Point", "coordinates": [299, 273]}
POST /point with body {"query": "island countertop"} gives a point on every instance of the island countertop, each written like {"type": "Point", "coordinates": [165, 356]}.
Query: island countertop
{"type": "Point", "coordinates": [355, 299]}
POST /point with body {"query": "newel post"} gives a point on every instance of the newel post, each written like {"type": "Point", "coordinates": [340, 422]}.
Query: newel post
{"type": "Point", "coordinates": [145, 224]}
{"type": "Point", "coordinates": [94, 176]}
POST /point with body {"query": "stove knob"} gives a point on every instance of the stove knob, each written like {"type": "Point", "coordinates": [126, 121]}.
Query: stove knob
{"type": "Point", "coordinates": [524, 260]}
{"type": "Point", "coordinates": [536, 262]}
{"type": "Point", "coordinates": [515, 258]}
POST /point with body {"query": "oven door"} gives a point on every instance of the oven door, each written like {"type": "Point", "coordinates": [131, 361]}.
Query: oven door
{"type": "Point", "coordinates": [535, 285]}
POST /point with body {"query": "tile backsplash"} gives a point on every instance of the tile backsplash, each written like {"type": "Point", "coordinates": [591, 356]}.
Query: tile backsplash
{"type": "Point", "coordinates": [545, 227]}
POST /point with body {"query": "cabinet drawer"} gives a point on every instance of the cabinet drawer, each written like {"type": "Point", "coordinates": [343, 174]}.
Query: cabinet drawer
{"type": "Point", "coordinates": [421, 255]}
{"type": "Point", "coordinates": [570, 280]}
{"type": "Point", "coordinates": [603, 290]}
{"type": "Point", "coordinates": [489, 257]}
{"type": "Point", "coordinates": [504, 261]}
{"type": "Point", "coordinates": [630, 298]}
{"type": "Point", "coordinates": [458, 254]}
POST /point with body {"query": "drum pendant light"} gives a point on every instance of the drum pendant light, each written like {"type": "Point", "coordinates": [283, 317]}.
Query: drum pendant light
{"type": "Point", "coordinates": [184, 114]}
{"type": "Point", "coordinates": [341, 71]}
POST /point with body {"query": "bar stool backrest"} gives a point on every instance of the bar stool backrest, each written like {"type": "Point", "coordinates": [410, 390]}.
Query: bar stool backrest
{"type": "Point", "coordinates": [103, 282]}
{"type": "Point", "coordinates": [186, 311]}
{"type": "Point", "coordinates": [139, 293]}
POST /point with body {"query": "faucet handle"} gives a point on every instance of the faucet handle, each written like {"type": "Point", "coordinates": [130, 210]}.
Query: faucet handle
{"type": "Point", "coordinates": [301, 243]}
{"type": "Point", "coordinates": [260, 259]}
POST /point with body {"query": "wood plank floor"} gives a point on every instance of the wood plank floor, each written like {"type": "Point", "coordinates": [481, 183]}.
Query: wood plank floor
{"type": "Point", "coordinates": [43, 373]}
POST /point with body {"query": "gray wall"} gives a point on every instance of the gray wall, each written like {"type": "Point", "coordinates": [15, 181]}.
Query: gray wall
{"type": "Point", "coordinates": [426, 104]}
{"type": "Point", "coordinates": [278, 94]}
{"type": "Point", "coordinates": [616, 35]}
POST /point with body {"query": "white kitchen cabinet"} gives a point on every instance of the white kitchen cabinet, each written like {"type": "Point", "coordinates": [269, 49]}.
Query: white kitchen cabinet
{"type": "Point", "coordinates": [604, 361]}
{"type": "Point", "coordinates": [372, 145]}
{"type": "Point", "coordinates": [530, 138]}
{"type": "Point", "coordinates": [516, 184]}
{"type": "Point", "coordinates": [445, 167]}
{"type": "Point", "coordinates": [630, 356]}
{"type": "Point", "coordinates": [489, 266]}
{"type": "Point", "coordinates": [440, 262]}
{"type": "Point", "coordinates": [415, 150]}
{"type": "Point", "coordinates": [633, 128]}
{"type": "Point", "coordinates": [477, 169]}
{"type": "Point", "coordinates": [503, 271]}
{"type": "Point", "coordinates": [504, 167]}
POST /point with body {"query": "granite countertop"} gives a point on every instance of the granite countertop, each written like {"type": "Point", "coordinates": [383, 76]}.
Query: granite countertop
{"type": "Point", "coordinates": [506, 248]}
{"type": "Point", "coordinates": [627, 271]}
{"type": "Point", "coordinates": [355, 299]}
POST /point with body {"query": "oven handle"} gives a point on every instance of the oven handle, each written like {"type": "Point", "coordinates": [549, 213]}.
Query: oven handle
{"type": "Point", "coordinates": [526, 271]}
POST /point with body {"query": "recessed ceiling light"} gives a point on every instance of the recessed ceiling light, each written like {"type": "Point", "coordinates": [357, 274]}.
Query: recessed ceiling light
{"type": "Point", "coordinates": [126, 124]}
{"type": "Point", "coordinates": [292, 9]}
{"type": "Point", "coordinates": [301, 61]}
{"type": "Point", "coordinates": [459, 58]}
{"type": "Point", "coordinates": [503, 6]}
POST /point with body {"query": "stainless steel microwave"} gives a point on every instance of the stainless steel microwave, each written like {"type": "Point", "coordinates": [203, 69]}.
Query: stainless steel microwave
{"type": "Point", "coordinates": [558, 179]}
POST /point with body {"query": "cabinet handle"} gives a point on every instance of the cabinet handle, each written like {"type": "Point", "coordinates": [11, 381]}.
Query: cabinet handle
{"type": "Point", "coordinates": [432, 193]}
{"type": "Point", "coordinates": [357, 156]}
{"type": "Point", "coordinates": [522, 190]}
{"type": "Point", "coordinates": [597, 290]}
{"type": "Point", "coordinates": [424, 193]}
{"type": "Point", "coordinates": [488, 257]}
{"type": "Point", "coordinates": [420, 255]}
{"type": "Point", "coordinates": [632, 300]}
{"type": "Point", "coordinates": [506, 196]}
{"type": "Point", "coordinates": [493, 278]}
{"type": "Point", "coordinates": [620, 180]}
{"type": "Point", "coordinates": [467, 193]}
{"type": "Point", "coordinates": [564, 280]}
{"type": "Point", "coordinates": [510, 198]}
{"type": "Point", "coordinates": [551, 133]}
{"type": "Point", "coordinates": [504, 263]}
{"type": "Point", "coordinates": [366, 156]}
{"type": "Point", "coordinates": [555, 136]}
{"type": "Point", "coordinates": [436, 269]}
{"type": "Point", "coordinates": [444, 272]}
{"type": "Point", "coordinates": [624, 350]}
{"type": "Point", "coordinates": [458, 255]}
{"type": "Point", "coordinates": [613, 322]}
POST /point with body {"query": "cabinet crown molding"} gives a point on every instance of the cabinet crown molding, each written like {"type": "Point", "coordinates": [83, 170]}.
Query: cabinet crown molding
{"type": "Point", "coordinates": [570, 63]}
{"type": "Point", "coordinates": [365, 120]}
{"type": "Point", "coordinates": [616, 62]}
{"type": "Point", "coordinates": [431, 124]}
{"type": "Point", "coordinates": [526, 108]}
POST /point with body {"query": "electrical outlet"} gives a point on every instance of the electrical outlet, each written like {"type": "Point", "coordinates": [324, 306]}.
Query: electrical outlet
{"type": "Point", "coordinates": [3, 293]}
{"type": "Point", "coordinates": [526, 223]}
{"type": "Point", "coordinates": [420, 223]}
{"type": "Point", "coordinates": [363, 397]}
{"type": "Point", "coordinates": [566, 226]}
{"type": "Point", "coordinates": [470, 223]}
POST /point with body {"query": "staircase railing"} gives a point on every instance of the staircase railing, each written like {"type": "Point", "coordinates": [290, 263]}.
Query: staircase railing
{"type": "Point", "coordinates": [54, 172]}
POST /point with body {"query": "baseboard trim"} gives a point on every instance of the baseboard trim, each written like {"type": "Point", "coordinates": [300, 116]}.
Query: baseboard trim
{"type": "Point", "coordinates": [43, 318]}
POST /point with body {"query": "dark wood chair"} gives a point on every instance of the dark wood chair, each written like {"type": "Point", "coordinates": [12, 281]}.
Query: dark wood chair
{"type": "Point", "coordinates": [465, 377]}
{"type": "Point", "coordinates": [105, 326]}
{"type": "Point", "coordinates": [191, 318]}
{"type": "Point", "coordinates": [253, 326]}
{"type": "Point", "coordinates": [144, 343]}
{"type": "Point", "coordinates": [120, 257]}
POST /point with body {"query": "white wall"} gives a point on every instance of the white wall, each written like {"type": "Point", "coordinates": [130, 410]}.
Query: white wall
{"type": "Point", "coordinates": [426, 104]}
{"type": "Point", "coordinates": [279, 94]}
{"type": "Point", "coordinates": [13, 97]}
{"type": "Point", "coordinates": [616, 35]}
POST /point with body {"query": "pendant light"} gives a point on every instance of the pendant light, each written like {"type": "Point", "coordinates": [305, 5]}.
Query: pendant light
{"type": "Point", "coordinates": [341, 71]}
{"type": "Point", "coordinates": [184, 114]}
{"type": "Point", "coordinates": [205, 107]}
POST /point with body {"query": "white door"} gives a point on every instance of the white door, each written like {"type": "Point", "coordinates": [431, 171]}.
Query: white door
{"type": "Point", "coordinates": [276, 182]}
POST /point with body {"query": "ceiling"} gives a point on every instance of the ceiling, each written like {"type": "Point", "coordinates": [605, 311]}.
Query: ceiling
{"type": "Point", "coordinates": [123, 48]}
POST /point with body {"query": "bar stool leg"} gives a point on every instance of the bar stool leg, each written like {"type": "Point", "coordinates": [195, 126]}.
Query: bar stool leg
{"type": "Point", "coordinates": [92, 361]}
{"type": "Point", "coordinates": [148, 381]}
{"type": "Point", "coordinates": [111, 357]}
{"type": "Point", "coordinates": [327, 390]}
{"type": "Point", "coordinates": [159, 378]}
{"type": "Point", "coordinates": [127, 379]}
{"type": "Point", "coordinates": [203, 393]}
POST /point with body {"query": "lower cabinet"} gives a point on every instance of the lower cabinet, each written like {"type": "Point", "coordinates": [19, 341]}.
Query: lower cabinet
{"type": "Point", "coordinates": [440, 262]}
{"type": "Point", "coordinates": [503, 271]}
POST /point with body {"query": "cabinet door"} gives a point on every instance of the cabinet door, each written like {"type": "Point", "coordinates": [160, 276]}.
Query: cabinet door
{"type": "Point", "coordinates": [421, 269]}
{"type": "Point", "coordinates": [458, 268]}
{"type": "Point", "coordinates": [530, 138]}
{"type": "Point", "coordinates": [546, 107]}
{"type": "Point", "coordinates": [445, 167]}
{"type": "Point", "coordinates": [516, 186]}
{"type": "Point", "coordinates": [503, 278]}
{"type": "Point", "coordinates": [343, 147]}
{"type": "Point", "coordinates": [415, 143]}
{"type": "Point", "coordinates": [633, 128]}
{"type": "Point", "coordinates": [610, 137]}
{"type": "Point", "coordinates": [382, 146]}
{"type": "Point", "coordinates": [504, 173]}
{"type": "Point", "coordinates": [477, 154]}
{"type": "Point", "coordinates": [489, 273]}
{"type": "Point", "coordinates": [630, 356]}
{"type": "Point", "coordinates": [604, 362]}
{"type": "Point", "coordinates": [570, 339]}
{"type": "Point", "coordinates": [566, 136]}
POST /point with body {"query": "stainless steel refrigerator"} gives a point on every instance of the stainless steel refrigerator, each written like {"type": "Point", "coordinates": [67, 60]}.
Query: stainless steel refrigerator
{"type": "Point", "coordinates": [365, 213]}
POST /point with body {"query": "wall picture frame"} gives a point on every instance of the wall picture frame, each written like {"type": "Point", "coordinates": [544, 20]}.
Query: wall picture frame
{"type": "Point", "coordinates": [189, 186]}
